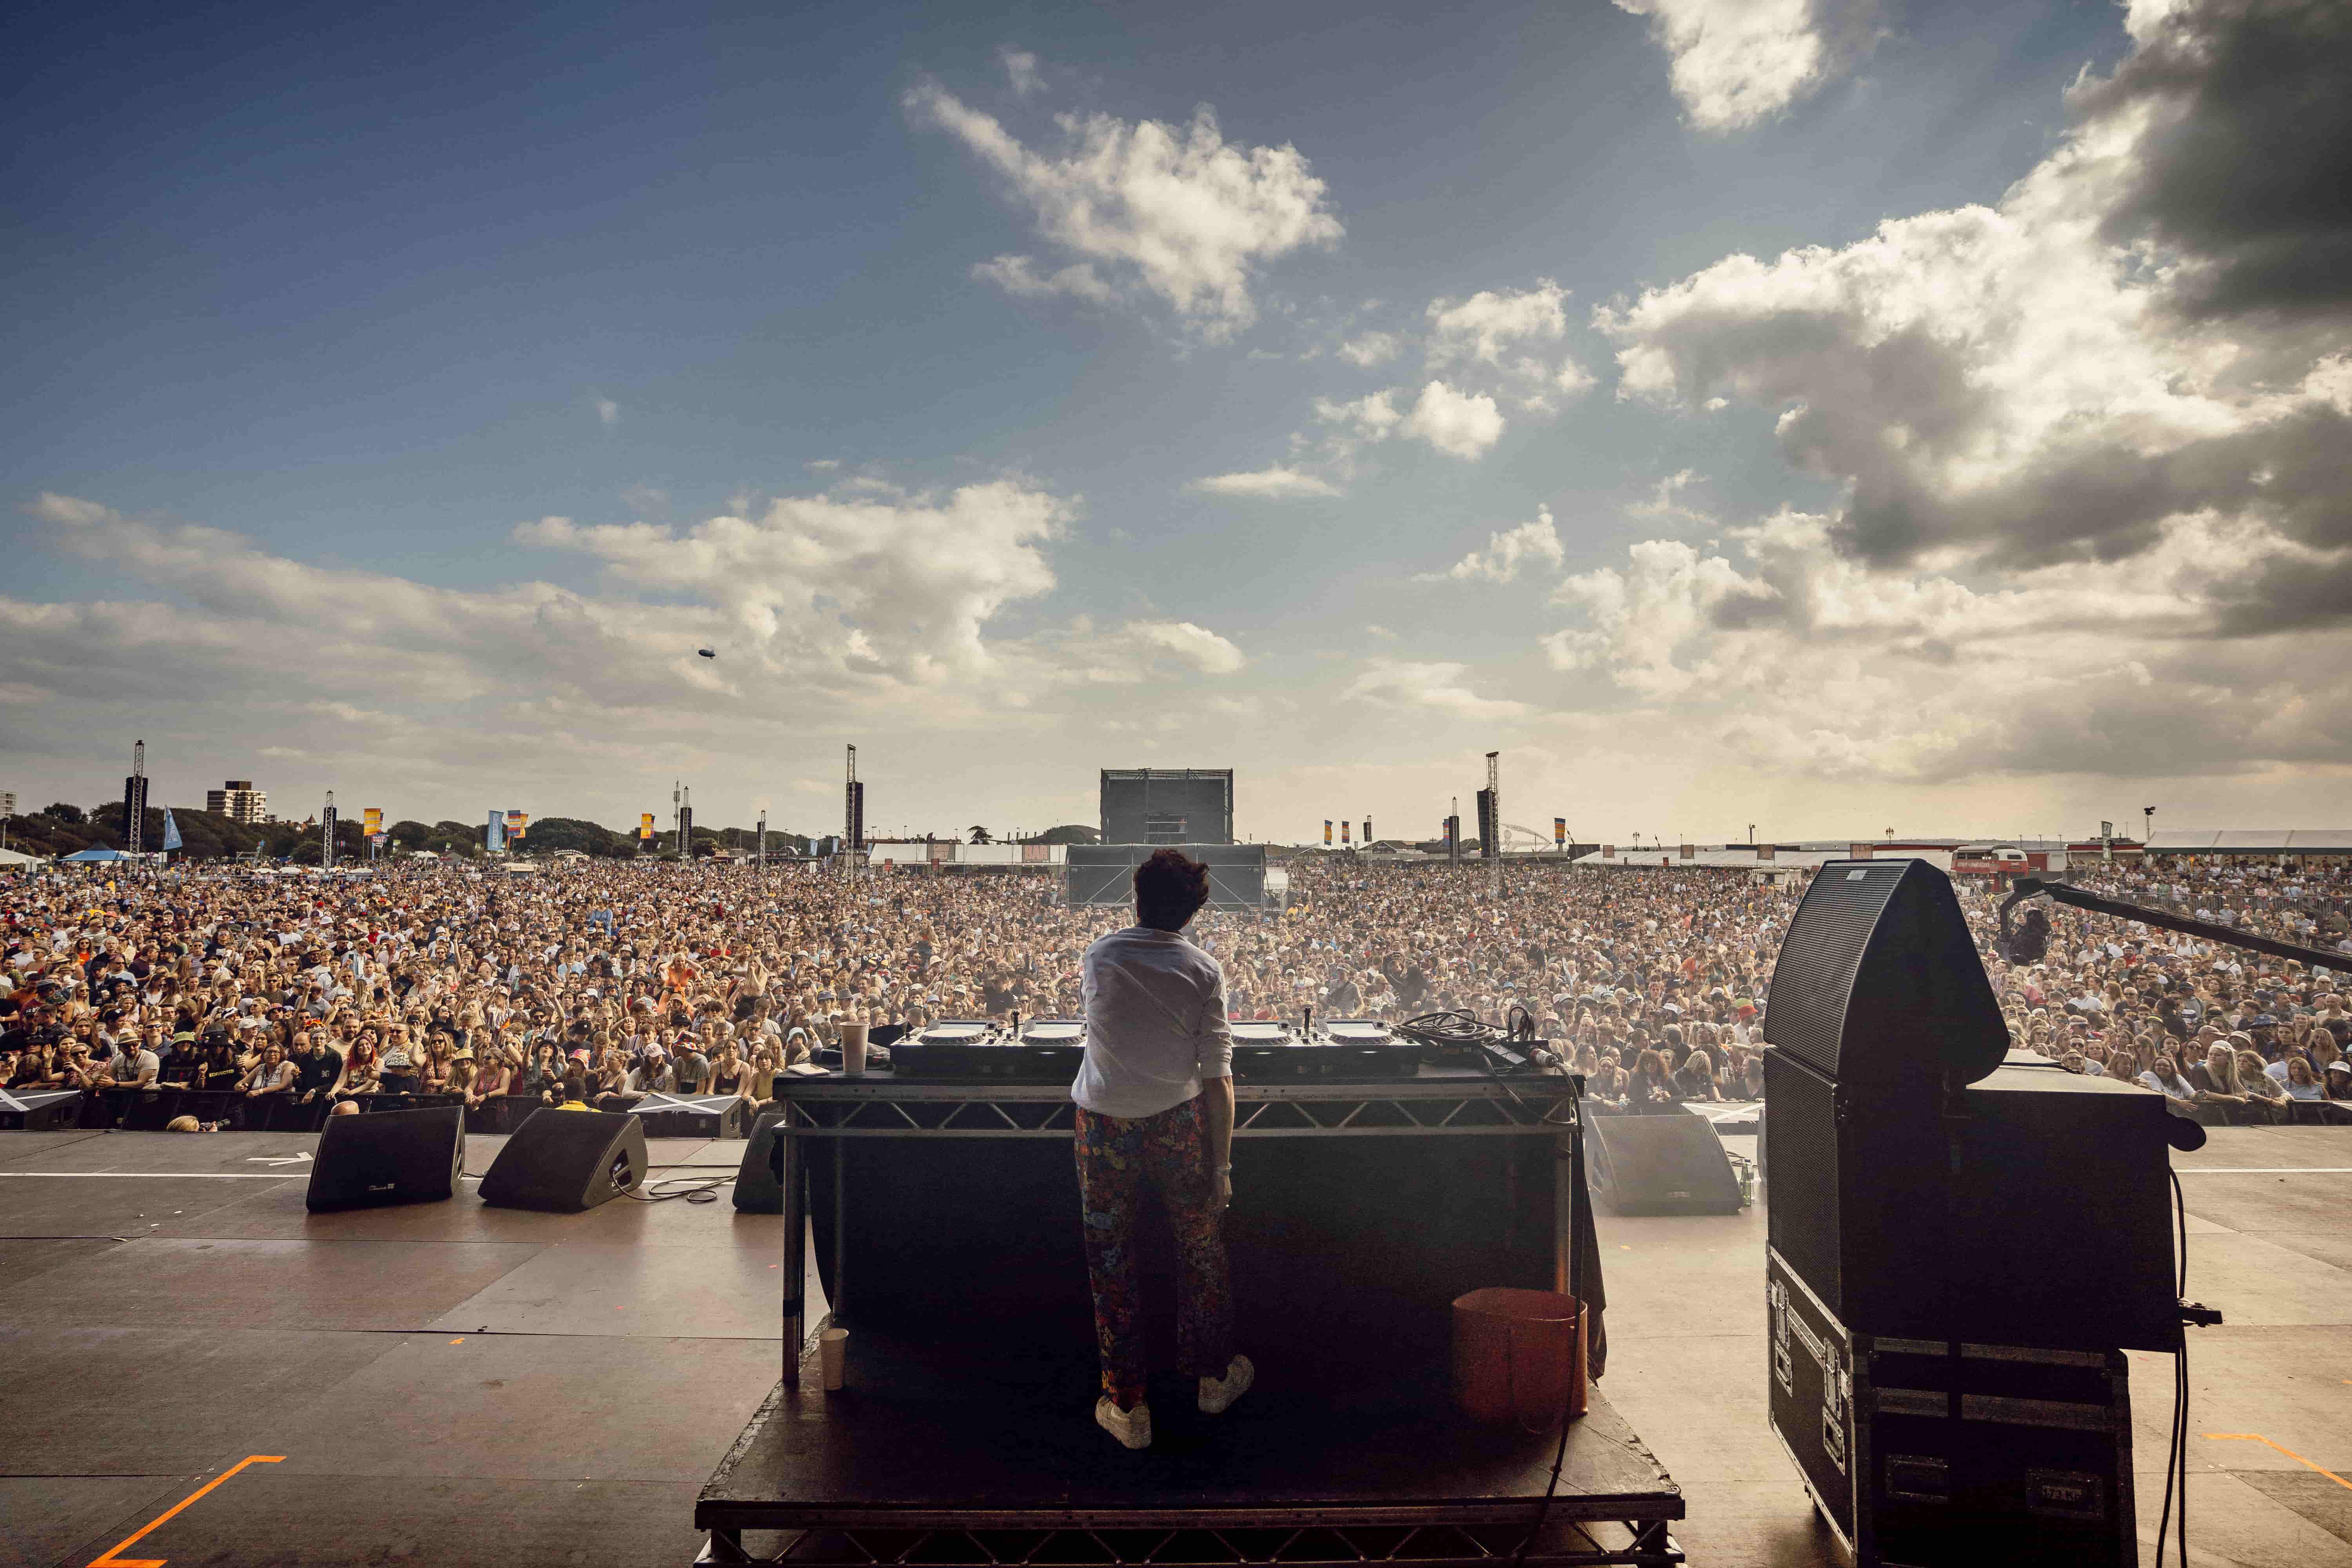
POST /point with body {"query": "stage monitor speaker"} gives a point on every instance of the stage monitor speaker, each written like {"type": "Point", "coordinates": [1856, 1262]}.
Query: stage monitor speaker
{"type": "Point", "coordinates": [566, 1160]}
{"type": "Point", "coordinates": [1671, 1165]}
{"type": "Point", "coordinates": [759, 1187]}
{"type": "Point", "coordinates": [399, 1157]}
{"type": "Point", "coordinates": [2033, 1210]}
{"type": "Point", "coordinates": [1878, 980]}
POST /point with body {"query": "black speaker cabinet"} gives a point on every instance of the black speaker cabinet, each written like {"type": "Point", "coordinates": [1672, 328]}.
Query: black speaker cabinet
{"type": "Point", "coordinates": [2031, 1209]}
{"type": "Point", "coordinates": [1945, 1454]}
{"type": "Point", "coordinates": [567, 1160]}
{"type": "Point", "coordinates": [759, 1186]}
{"type": "Point", "coordinates": [399, 1157]}
{"type": "Point", "coordinates": [40, 1110]}
{"type": "Point", "coordinates": [1661, 1165]}
{"type": "Point", "coordinates": [1879, 981]}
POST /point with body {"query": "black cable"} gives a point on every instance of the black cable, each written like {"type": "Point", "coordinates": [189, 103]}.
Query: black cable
{"type": "Point", "coordinates": [704, 1191]}
{"type": "Point", "coordinates": [2176, 1458]}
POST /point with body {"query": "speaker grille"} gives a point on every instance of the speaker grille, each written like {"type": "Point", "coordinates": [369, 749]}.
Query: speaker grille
{"type": "Point", "coordinates": [1879, 981]}
{"type": "Point", "coordinates": [1813, 979]}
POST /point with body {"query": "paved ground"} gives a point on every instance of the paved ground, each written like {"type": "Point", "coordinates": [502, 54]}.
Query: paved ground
{"type": "Point", "coordinates": [453, 1385]}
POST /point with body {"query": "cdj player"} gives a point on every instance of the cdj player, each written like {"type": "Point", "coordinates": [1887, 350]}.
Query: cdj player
{"type": "Point", "coordinates": [1341, 1048]}
{"type": "Point", "coordinates": [1043, 1049]}
{"type": "Point", "coordinates": [1050, 1049]}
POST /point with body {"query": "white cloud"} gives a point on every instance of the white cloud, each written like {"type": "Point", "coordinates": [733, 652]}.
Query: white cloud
{"type": "Point", "coordinates": [1017, 275]}
{"type": "Point", "coordinates": [1735, 62]}
{"type": "Point", "coordinates": [1372, 417]}
{"type": "Point", "coordinates": [1198, 647]}
{"type": "Point", "coordinates": [1506, 551]}
{"type": "Point", "coordinates": [1404, 683]}
{"type": "Point", "coordinates": [1461, 425]}
{"type": "Point", "coordinates": [1189, 214]}
{"type": "Point", "coordinates": [1799, 661]}
{"type": "Point", "coordinates": [1266, 484]}
{"type": "Point", "coordinates": [608, 412]}
{"type": "Point", "coordinates": [1021, 70]}
{"type": "Point", "coordinates": [2092, 444]}
{"type": "Point", "coordinates": [2027, 383]}
{"type": "Point", "coordinates": [1487, 323]}
{"type": "Point", "coordinates": [1370, 349]}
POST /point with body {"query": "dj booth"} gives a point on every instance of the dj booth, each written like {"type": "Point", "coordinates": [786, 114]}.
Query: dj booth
{"type": "Point", "coordinates": [945, 1219]}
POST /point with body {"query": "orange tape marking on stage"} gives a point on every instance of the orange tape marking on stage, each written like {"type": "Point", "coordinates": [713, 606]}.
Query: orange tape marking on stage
{"type": "Point", "coordinates": [109, 1560]}
{"type": "Point", "coordinates": [2290, 1453]}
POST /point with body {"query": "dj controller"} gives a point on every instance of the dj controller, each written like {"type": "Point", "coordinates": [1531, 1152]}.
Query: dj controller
{"type": "Point", "coordinates": [1049, 1049]}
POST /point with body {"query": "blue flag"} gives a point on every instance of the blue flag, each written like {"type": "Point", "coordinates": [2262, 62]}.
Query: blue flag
{"type": "Point", "coordinates": [171, 832]}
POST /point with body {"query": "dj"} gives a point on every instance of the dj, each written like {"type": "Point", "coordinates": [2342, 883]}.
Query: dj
{"type": "Point", "coordinates": [1155, 1097]}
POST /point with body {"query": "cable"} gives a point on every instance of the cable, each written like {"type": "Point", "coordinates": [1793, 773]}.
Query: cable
{"type": "Point", "coordinates": [704, 1191]}
{"type": "Point", "coordinates": [2176, 1458]}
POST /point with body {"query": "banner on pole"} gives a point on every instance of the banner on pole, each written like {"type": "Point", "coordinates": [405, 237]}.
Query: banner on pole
{"type": "Point", "coordinates": [1558, 831]}
{"type": "Point", "coordinates": [171, 832]}
{"type": "Point", "coordinates": [644, 824]}
{"type": "Point", "coordinates": [494, 838]}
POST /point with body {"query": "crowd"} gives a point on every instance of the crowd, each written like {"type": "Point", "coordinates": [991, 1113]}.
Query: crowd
{"type": "Point", "coordinates": [2226, 1034]}
{"type": "Point", "coordinates": [612, 980]}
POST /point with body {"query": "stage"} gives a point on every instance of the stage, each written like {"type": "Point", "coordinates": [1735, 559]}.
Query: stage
{"type": "Point", "coordinates": [453, 1385]}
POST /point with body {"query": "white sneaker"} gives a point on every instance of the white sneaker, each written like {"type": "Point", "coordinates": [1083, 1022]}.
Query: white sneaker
{"type": "Point", "coordinates": [1131, 1427]}
{"type": "Point", "coordinates": [1217, 1394]}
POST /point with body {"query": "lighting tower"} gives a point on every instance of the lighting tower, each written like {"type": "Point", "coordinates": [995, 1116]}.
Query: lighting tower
{"type": "Point", "coordinates": [1495, 805]}
{"type": "Point", "coordinates": [134, 798]}
{"type": "Point", "coordinates": [853, 811]}
{"type": "Point", "coordinates": [763, 839]}
{"type": "Point", "coordinates": [327, 833]}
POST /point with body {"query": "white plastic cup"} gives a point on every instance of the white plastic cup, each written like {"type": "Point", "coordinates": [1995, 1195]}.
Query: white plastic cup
{"type": "Point", "coordinates": [853, 1048]}
{"type": "Point", "coordinates": [831, 1352]}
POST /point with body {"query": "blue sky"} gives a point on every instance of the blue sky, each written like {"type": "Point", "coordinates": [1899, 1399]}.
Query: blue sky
{"type": "Point", "coordinates": [375, 292]}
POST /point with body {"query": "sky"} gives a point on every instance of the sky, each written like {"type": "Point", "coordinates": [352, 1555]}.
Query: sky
{"type": "Point", "coordinates": [1827, 415]}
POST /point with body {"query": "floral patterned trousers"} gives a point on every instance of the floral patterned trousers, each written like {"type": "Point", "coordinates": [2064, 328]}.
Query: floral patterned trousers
{"type": "Point", "coordinates": [1117, 1157]}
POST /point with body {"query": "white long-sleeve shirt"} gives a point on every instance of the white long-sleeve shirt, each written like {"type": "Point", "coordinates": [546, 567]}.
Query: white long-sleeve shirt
{"type": "Point", "coordinates": [1155, 1023]}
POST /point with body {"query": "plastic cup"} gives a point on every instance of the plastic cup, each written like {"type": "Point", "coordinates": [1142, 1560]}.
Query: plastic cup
{"type": "Point", "coordinates": [853, 1048]}
{"type": "Point", "coordinates": [831, 1352]}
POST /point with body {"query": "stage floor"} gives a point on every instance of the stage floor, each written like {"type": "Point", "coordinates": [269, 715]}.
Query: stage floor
{"type": "Point", "coordinates": [452, 1384]}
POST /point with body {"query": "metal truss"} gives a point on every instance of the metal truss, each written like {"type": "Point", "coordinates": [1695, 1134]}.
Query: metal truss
{"type": "Point", "coordinates": [1563, 1542]}
{"type": "Point", "coordinates": [1456, 1107]}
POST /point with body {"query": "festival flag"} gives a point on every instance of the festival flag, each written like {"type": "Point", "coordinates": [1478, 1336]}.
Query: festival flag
{"type": "Point", "coordinates": [171, 832]}
{"type": "Point", "coordinates": [1327, 831]}
{"type": "Point", "coordinates": [1343, 831]}
{"type": "Point", "coordinates": [522, 823]}
{"type": "Point", "coordinates": [371, 821]}
{"type": "Point", "coordinates": [1558, 831]}
{"type": "Point", "coordinates": [644, 824]}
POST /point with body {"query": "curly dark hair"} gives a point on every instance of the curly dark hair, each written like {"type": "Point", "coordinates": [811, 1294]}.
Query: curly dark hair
{"type": "Point", "coordinates": [1169, 888]}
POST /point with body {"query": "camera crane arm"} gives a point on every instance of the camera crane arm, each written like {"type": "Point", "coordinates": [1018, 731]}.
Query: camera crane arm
{"type": "Point", "coordinates": [2228, 936]}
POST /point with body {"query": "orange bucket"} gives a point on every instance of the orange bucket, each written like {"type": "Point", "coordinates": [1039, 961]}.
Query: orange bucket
{"type": "Point", "coordinates": [1519, 1356]}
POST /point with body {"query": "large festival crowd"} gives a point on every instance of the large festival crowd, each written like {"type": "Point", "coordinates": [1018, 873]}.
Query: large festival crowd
{"type": "Point", "coordinates": [606, 981]}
